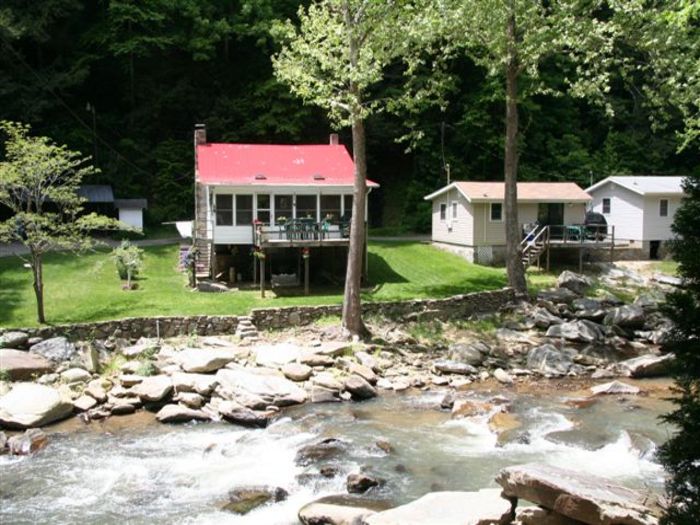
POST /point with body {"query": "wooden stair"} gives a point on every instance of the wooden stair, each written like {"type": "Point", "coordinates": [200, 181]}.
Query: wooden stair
{"type": "Point", "coordinates": [201, 234]}
{"type": "Point", "coordinates": [534, 245]}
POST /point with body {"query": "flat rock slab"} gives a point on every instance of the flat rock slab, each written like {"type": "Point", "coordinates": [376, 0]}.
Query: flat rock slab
{"type": "Point", "coordinates": [202, 360]}
{"type": "Point", "coordinates": [589, 499]}
{"type": "Point", "coordinates": [485, 507]}
{"type": "Point", "coordinates": [22, 366]}
{"type": "Point", "coordinates": [274, 389]}
{"type": "Point", "coordinates": [56, 349]}
{"type": "Point", "coordinates": [32, 405]}
{"type": "Point", "coordinates": [615, 387]}
{"type": "Point", "coordinates": [277, 355]}
{"type": "Point", "coordinates": [649, 365]}
{"type": "Point", "coordinates": [154, 388]}
{"type": "Point", "coordinates": [180, 414]}
{"type": "Point", "coordinates": [203, 384]}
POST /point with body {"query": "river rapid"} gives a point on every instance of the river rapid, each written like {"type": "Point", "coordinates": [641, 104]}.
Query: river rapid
{"type": "Point", "coordinates": [134, 470]}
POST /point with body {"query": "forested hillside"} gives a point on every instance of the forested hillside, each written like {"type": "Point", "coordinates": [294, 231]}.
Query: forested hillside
{"type": "Point", "coordinates": [125, 81]}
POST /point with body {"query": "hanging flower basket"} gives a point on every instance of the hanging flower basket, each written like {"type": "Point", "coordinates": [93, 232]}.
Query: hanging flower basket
{"type": "Point", "coordinates": [305, 253]}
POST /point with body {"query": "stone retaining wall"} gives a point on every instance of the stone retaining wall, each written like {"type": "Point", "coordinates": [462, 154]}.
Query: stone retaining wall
{"type": "Point", "coordinates": [458, 306]}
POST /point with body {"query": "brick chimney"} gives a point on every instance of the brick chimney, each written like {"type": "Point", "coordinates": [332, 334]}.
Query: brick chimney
{"type": "Point", "coordinates": [334, 141]}
{"type": "Point", "coordinates": [200, 134]}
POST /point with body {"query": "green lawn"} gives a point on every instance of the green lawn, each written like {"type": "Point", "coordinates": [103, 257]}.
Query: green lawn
{"type": "Point", "coordinates": [86, 288]}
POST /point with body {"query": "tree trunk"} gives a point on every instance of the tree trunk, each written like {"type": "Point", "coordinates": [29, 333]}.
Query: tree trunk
{"type": "Point", "coordinates": [352, 307]}
{"type": "Point", "coordinates": [514, 265]}
{"type": "Point", "coordinates": [37, 271]}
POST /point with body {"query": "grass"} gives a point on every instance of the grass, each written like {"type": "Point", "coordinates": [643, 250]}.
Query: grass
{"type": "Point", "coordinates": [86, 288]}
{"type": "Point", "coordinates": [666, 266]}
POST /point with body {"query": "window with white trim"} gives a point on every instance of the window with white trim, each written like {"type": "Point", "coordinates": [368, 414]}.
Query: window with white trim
{"type": "Point", "coordinates": [663, 208]}
{"type": "Point", "coordinates": [244, 210]}
{"type": "Point", "coordinates": [443, 212]}
{"type": "Point", "coordinates": [606, 205]}
{"type": "Point", "coordinates": [224, 210]}
{"type": "Point", "coordinates": [263, 208]}
{"type": "Point", "coordinates": [306, 206]}
{"type": "Point", "coordinates": [330, 207]}
{"type": "Point", "coordinates": [454, 210]}
{"type": "Point", "coordinates": [496, 212]}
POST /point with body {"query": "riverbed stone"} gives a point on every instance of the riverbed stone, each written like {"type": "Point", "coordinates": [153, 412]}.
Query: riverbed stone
{"type": "Point", "coordinates": [296, 371]}
{"type": "Point", "coordinates": [557, 295]}
{"type": "Point", "coordinates": [189, 399]}
{"type": "Point", "coordinates": [615, 387]}
{"type": "Point", "coordinates": [449, 366]}
{"type": "Point", "coordinates": [627, 316]}
{"type": "Point", "coordinates": [180, 414]}
{"type": "Point", "coordinates": [360, 482]}
{"type": "Point", "coordinates": [75, 375]}
{"type": "Point", "coordinates": [22, 366]}
{"type": "Point", "coordinates": [469, 407]}
{"type": "Point", "coordinates": [202, 384]}
{"type": "Point", "coordinates": [359, 388]}
{"type": "Point", "coordinates": [363, 371]}
{"type": "Point", "coordinates": [584, 497]}
{"type": "Point", "coordinates": [324, 512]}
{"type": "Point", "coordinates": [314, 359]}
{"type": "Point", "coordinates": [540, 516]}
{"type": "Point", "coordinates": [502, 376]}
{"type": "Point", "coordinates": [575, 282]}
{"type": "Point", "coordinates": [324, 450]}
{"type": "Point", "coordinates": [327, 380]}
{"type": "Point", "coordinates": [472, 354]}
{"type": "Point", "coordinates": [56, 350]}
{"type": "Point", "coordinates": [367, 360]}
{"type": "Point", "coordinates": [274, 389]}
{"type": "Point", "coordinates": [649, 365]}
{"type": "Point", "coordinates": [277, 355]}
{"type": "Point", "coordinates": [548, 359]}
{"type": "Point", "coordinates": [485, 507]}
{"type": "Point", "coordinates": [96, 390]}
{"type": "Point", "coordinates": [320, 394]}
{"type": "Point", "coordinates": [84, 403]}
{"type": "Point", "coordinates": [32, 405]}
{"type": "Point", "coordinates": [202, 360]}
{"type": "Point", "coordinates": [244, 416]}
{"type": "Point", "coordinates": [33, 440]}
{"type": "Point", "coordinates": [13, 339]}
{"type": "Point", "coordinates": [122, 407]}
{"type": "Point", "coordinates": [154, 388]}
{"type": "Point", "coordinates": [581, 330]}
{"type": "Point", "coordinates": [244, 499]}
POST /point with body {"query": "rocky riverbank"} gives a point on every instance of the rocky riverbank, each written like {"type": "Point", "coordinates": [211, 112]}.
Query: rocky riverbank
{"type": "Point", "coordinates": [562, 336]}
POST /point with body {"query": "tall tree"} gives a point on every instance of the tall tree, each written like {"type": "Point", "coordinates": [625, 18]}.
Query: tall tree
{"type": "Point", "coordinates": [38, 183]}
{"type": "Point", "coordinates": [513, 40]}
{"type": "Point", "coordinates": [333, 59]}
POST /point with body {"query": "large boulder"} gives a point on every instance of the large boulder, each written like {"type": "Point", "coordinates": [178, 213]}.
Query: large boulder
{"type": "Point", "coordinates": [21, 366]}
{"type": "Point", "coordinates": [649, 365]}
{"type": "Point", "coordinates": [472, 354]}
{"type": "Point", "coordinates": [272, 388]}
{"type": "Point", "coordinates": [485, 507]}
{"type": "Point", "coordinates": [179, 414]}
{"type": "Point", "coordinates": [56, 350]}
{"type": "Point", "coordinates": [153, 389]}
{"type": "Point", "coordinates": [202, 360]}
{"type": "Point", "coordinates": [627, 316]}
{"type": "Point", "coordinates": [581, 330]}
{"type": "Point", "coordinates": [359, 388]}
{"type": "Point", "coordinates": [13, 339]}
{"type": "Point", "coordinates": [325, 450]}
{"type": "Point", "coordinates": [277, 355]}
{"type": "Point", "coordinates": [296, 371]}
{"type": "Point", "coordinates": [335, 510]}
{"type": "Point", "coordinates": [575, 282]}
{"type": "Point", "coordinates": [31, 405]}
{"type": "Point", "coordinates": [202, 384]}
{"type": "Point", "coordinates": [589, 499]}
{"type": "Point", "coordinates": [548, 359]}
{"type": "Point", "coordinates": [244, 416]}
{"type": "Point", "coordinates": [615, 388]}
{"type": "Point", "coordinates": [543, 318]}
{"type": "Point", "coordinates": [359, 482]}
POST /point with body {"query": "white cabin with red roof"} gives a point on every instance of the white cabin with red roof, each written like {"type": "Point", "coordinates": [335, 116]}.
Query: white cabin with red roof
{"type": "Point", "coordinates": [287, 202]}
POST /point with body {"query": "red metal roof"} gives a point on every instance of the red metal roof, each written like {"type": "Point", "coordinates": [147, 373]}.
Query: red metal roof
{"type": "Point", "coordinates": [278, 165]}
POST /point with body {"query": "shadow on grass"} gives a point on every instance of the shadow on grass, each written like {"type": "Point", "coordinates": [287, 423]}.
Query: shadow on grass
{"type": "Point", "coordinates": [380, 272]}
{"type": "Point", "coordinates": [14, 279]}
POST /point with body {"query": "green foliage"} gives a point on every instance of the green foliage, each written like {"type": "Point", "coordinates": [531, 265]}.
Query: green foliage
{"type": "Point", "coordinates": [681, 454]}
{"type": "Point", "coordinates": [147, 368]}
{"type": "Point", "coordinates": [429, 332]}
{"type": "Point", "coordinates": [4, 374]}
{"type": "Point", "coordinates": [128, 259]}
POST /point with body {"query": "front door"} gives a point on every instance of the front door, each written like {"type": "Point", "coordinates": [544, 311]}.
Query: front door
{"type": "Point", "coordinates": [550, 213]}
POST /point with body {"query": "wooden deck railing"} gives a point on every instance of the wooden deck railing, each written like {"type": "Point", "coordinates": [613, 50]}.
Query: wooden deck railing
{"type": "Point", "coordinates": [299, 230]}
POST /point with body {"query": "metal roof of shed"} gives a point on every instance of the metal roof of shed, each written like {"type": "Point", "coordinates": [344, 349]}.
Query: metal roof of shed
{"type": "Point", "coordinates": [645, 184]}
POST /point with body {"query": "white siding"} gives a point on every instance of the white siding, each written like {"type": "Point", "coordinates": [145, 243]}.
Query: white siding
{"type": "Point", "coordinates": [233, 234]}
{"type": "Point", "coordinates": [656, 227]}
{"type": "Point", "coordinates": [574, 213]}
{"type": "Point", "coordinates": [490, 233]}
{"type": "Point", "coordinates": [454, 230]}
{"type": "Point", "coordinates": [626, 210]}
{"type": "Point", "coordinates": [132, 216]}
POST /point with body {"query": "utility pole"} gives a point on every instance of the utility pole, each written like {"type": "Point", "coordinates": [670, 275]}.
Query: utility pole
{"type": "Point", "coordinates": [91, 108]}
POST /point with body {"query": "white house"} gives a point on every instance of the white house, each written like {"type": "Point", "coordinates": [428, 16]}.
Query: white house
{"type": "Point", "coordinates": [468, 217]}
{"type": "Point", "coordinates": [640, 207]}
{"type": "Point", "coordinates": [285, 203]}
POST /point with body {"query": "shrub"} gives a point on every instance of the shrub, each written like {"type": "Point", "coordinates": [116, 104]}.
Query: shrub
{"type": "Point", "coordinates": [129, 261]}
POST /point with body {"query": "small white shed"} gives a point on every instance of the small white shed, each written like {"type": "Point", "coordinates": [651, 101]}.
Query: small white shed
{"type": "Point", "coordinates": [131, 211]}
{"type": "Point", "coordinates": [641, 207]}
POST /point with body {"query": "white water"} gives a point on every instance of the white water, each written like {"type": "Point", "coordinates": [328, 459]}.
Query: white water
{"type": "Point", "coordinates": [165, 474]}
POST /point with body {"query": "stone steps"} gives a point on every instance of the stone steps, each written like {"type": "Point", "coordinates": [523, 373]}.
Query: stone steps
{"type": "Point", "coordinates": [246, 330]}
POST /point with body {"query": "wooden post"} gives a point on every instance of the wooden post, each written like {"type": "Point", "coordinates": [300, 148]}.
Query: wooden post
{"type": "Point", "coordinates": [612, 246]}
{"type": "Point", "coordinates": [548, 250]}
{"type": "Point", "coordinates": [306, 275]}
{"type": "Point", "coordinates": [255, 269]}
{"type": "Point", "coordinates": [580, 260]}
{"type": "Point", "coordinates": [262, 277]}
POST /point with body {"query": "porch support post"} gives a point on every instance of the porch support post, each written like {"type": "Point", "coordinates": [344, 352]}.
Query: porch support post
{"type": "Point", "coordinates": [306, 275]}
{"type": "Point", "coordinates": [549, 248]}
{"type": "Point", "coordinates": [255, 270]}
{"type": "Point", "coordinates": [262, 277]}
{"type": "Point", "coordinates": [580, 260]}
